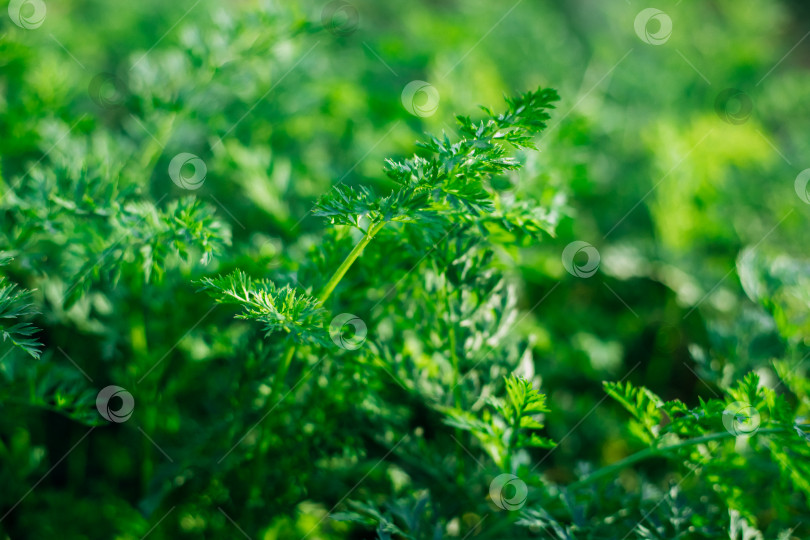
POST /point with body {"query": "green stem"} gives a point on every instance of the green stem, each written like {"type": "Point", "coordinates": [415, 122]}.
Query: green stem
{"type": "Point", "coordinates": [348, 261]}
{"type": "Point", "coordinates": [513, 439]}
{"type": "Point", "coordinates": [284, 366]}
{"type": "Point", "coordinates": [451, 338]}
{"type": "Point", "coordinates": [281, 372]}
{"type": "Point", "coordinates": [657, 451]}
{"type": "Point", "coordinates": [154, 146]}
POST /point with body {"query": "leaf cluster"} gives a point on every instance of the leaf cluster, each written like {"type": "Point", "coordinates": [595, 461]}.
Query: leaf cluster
{"type": "Point", "coordinates": [450, 180]}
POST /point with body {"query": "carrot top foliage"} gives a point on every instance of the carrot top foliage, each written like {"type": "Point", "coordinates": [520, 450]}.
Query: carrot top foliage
{"type": "Point", "coordinates": [238, 299]}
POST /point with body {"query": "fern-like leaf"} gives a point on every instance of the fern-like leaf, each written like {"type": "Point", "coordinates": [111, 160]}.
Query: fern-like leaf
{"type": "Point", "coordinates": [15, 303]}
{"type": "Point", "coordinates": [643, 404]}
{"type": "Point", "coordinates": [280, 309]}
{"type": "Point", "coordinates": [451, 179]}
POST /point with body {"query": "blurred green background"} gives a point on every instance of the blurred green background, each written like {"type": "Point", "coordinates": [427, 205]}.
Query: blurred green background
{"type": "Point", "coordinates": [676, 161]}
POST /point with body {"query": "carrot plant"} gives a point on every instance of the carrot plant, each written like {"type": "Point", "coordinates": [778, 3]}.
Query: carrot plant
{"type": "Point", "coordinates": [401, 325]}
{"type": "Point", "coordinates": [484, 454]}
{"type": "Point", "coordinates": [420, 356]}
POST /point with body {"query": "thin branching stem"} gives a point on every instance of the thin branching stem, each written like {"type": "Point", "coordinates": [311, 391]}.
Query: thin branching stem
{"type": "Point", "coordinates": [337, 276]}
{"type": "Point", "coordinates": [373, 229]}
{"type": "Point", "coordinates": [658, 451]}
